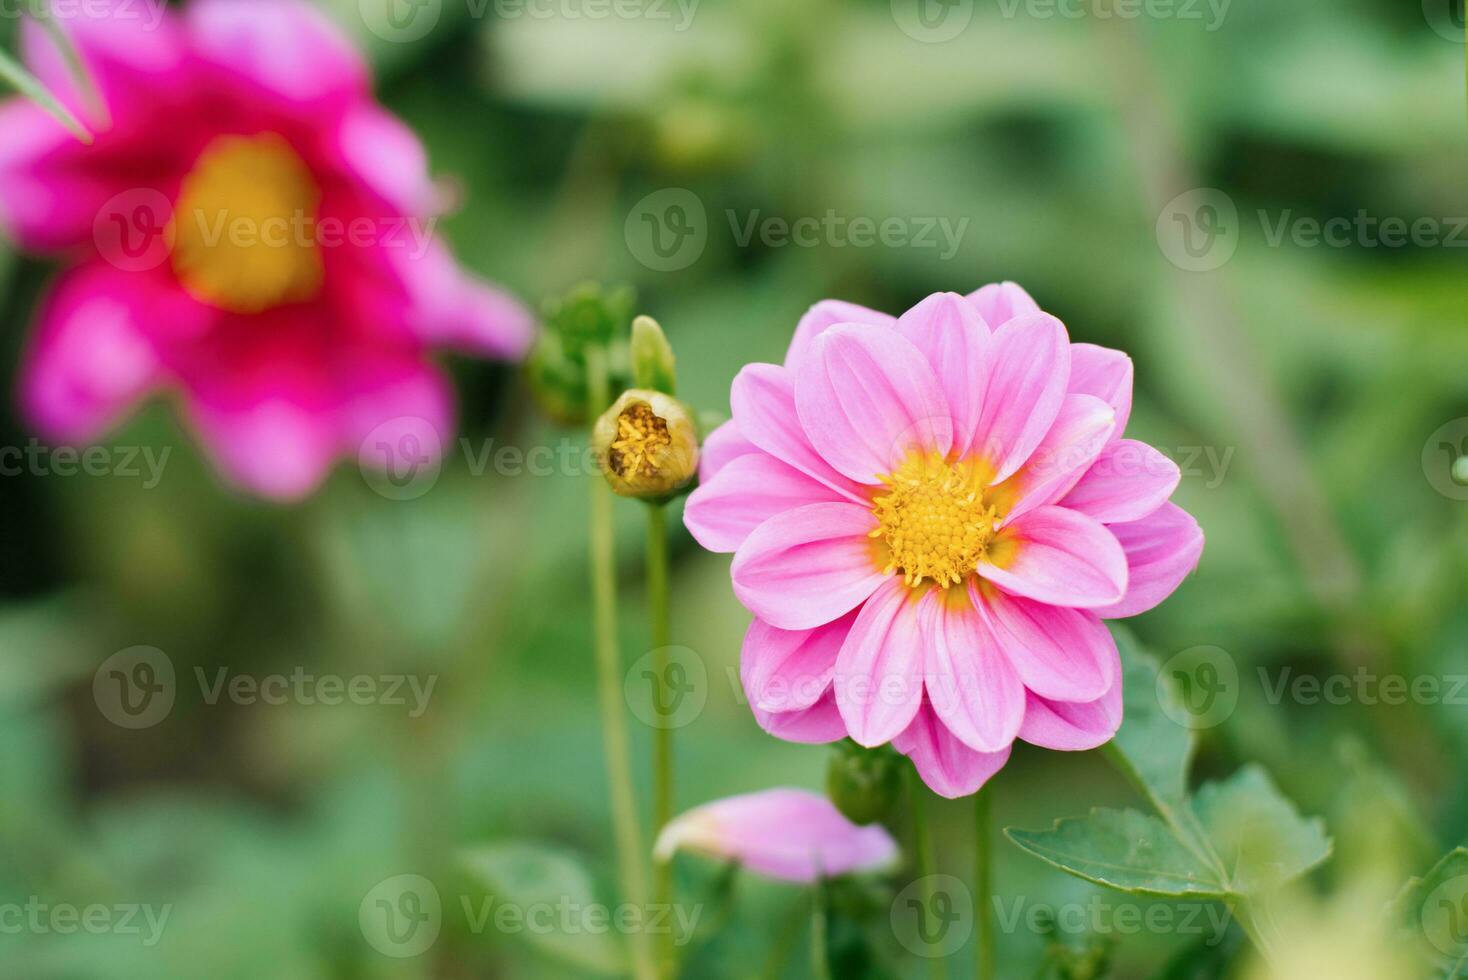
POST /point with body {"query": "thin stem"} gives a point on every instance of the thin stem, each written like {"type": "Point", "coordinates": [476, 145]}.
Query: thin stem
{"type": "Point", "coordinates": [615, 741]}
{"type": "Point", "coordinates": [984, 885]}
{"type": "Point", "coordinates": [662, 735]}
{"type": "Point", "coordinates": [820, 953]}
{"type": "Point", "coordinates": [922, 845]}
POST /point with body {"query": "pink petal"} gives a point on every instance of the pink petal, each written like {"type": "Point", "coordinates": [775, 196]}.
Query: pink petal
{"type": "Point", "coordinates": [950, 768]}
{"type": "Point", "coordinates": [955, 340]}
{"type": "Point", "coordinates": [1057, 556]}
{"type": "Point", "coordinates": [745, 493]}
{"type": "Point", "coordinates": [1074, 442]}
{"type": "Point", "coordinates": [1000, 302]}
{"type": "Point", "coordinates": [1059, 653]}
{"type": "Point", "coordinates": [132, 49]}
{"type": "Point", "coordinates": [788, 834]}
{"type": "Point", "coordinates": [879, 673]}
{"type": "Point", "coordinates": [285, 51]}
{"type": "Point", "coordinates": [1161, 549]}
{"type": "Point", "coordinates": [1129, 481]}
{"type": "Point", "coordinates": [91, 356]}
{"type": "Point", "coordinates": [866, 398]}
{"type": "Point", "coordinates": [387, 158]}
{"type": "Point", "coordinates": [1031, 358]}
{"type": "Point", "coordinates": [719, 447]}
{"type": "Point", "coordinates": [971, 685]}
{"type": "Point", "coordinates": [1072, 727]}
{"type": "Point", "coordinates": [1105, 373]}
{"type": "Point", "coordinates": [827, 313]}
{"type": "Point", "coordinates": [763, 402]}
{"type": "Point", "coordinates": [48, 200]}
{"type": "Point", "coordinates": [820, 724]}
{"type": "Point", "coordinates": [277, 402]}
{"type": "Point", "coordinates": [445, 305]}
{"type": "Point", "coordinates": [790, 670]}
{"type": "Point", "coordinates": [809, 566]}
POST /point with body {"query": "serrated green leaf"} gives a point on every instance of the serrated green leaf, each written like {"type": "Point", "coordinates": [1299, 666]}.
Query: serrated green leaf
{"type": "Point", "coordinates": [29, 86]}
{"type": "Point", "coordinates": [528, 875]}
{"type": "Point", "coordinates": [1126, 850]}
{"type": "Point", "coordinates": [1257, 833]}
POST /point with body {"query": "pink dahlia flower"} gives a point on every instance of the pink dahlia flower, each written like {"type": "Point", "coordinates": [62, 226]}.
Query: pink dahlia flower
{"type": "Point", "coordinates": [789, 834]}
{"type": "Point", "coordinates": [249, 230]}
{"type": "Point", "coordinates": [930, 516]}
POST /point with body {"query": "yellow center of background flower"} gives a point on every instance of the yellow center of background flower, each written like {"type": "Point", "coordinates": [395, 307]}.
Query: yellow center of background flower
{"type": "Point", "coordinates": [934, 519]}
{"type": "Point", "coordinates": [245, 226]}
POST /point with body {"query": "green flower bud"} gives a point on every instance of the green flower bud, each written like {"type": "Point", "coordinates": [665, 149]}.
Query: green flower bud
{"type": "Point", "coordinates": [652, 357]}
{"type": "Point", "coordinates": [864, 783]}
{"type": "Point", "coordinates": [646, 445]}
{"type": "Point", "coordinates": [586, 317]}
{"type": "Point", "coordinates": [1459, 472]}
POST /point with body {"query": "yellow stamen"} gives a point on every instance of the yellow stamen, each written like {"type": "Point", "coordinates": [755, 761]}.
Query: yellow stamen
{"type": "Point", "coordinates": [641, 434]}
{"type": "Point", "coordinates": [934, 519]}
{"type": "Point", "coordinates": [245, 226]}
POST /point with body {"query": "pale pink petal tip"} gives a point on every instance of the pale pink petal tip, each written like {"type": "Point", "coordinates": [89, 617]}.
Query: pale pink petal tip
{"type": "Point", "coordinates": [788, 834]}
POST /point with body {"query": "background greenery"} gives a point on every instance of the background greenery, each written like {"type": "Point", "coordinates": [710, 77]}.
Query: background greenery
{"type": "Point", "coordinates": [1320, 373]}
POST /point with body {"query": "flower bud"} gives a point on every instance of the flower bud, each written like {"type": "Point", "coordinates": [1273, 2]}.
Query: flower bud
{"type": "Point", "coordinates": [646, 445]}
{"type": "Point", "coordinates": [652, 357]}
{"type": "Point", "coordinates": [586, 317]}
{"type": "Point", "coordinates": [864, 783]}
{"type": "Point", "coordinates": [1459, 472]}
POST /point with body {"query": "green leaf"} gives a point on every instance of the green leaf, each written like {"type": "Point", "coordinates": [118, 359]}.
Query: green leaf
{"type": "Point", "coordinates": [1431, 909]}
{"type": "Point", "coordinates": [1126, 850]}
{"type": "Point", "coordinates": [1236, 839]}
{"type": "Point", "coordinates": [1260, 837]}
{"type": "Point", "coordinates": [527, 875]}
{"type": "Point", "coordinates": [1153, 750]}
{"type": "Point", "coordinates": [28, 85]}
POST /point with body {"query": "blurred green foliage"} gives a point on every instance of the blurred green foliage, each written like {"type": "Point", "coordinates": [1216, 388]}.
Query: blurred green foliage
{"type": "Point", "coordinates": [1297, 384]}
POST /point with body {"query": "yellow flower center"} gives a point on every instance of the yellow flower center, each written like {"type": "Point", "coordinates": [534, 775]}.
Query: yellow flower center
{"type": "Point", "coordinates": [245, 224]}
{"type": "Point", "coordinates": [934, 519]}
{"type": "Point", "coordinates": [641, 436]}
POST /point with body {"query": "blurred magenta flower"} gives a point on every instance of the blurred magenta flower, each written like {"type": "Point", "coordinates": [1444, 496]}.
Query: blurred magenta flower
{"type": "Point", "coordinates": [930, 517]}
{"type": "Point", "coordinates": [250, 230]}
{"type": "Point", "coordinates": [790, 834]}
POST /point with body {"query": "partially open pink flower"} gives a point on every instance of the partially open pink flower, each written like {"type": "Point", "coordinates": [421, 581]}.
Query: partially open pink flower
{"type": "Point", "coordinates": [790, 834]}
{"type": "Point", "coordinates": [250, 230]}
{"type": "Point", "coordinates": [930, 517]}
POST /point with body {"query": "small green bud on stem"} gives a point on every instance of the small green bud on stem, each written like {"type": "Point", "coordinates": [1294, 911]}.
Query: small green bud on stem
{"type": "Point", "coordinates": [646, 445]}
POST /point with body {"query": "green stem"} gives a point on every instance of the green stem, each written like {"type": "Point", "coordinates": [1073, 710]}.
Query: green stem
{"type": "Point", "coordinates": [820, 953]}
{"type": "Point", "coordinates": [615, 741]}
{"type": "Point", "coordinates": [922, 845]}
{"type": "Point", "coordinates": [984, 885]}
{"type": "Point", "coordinates": [662, 735]}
